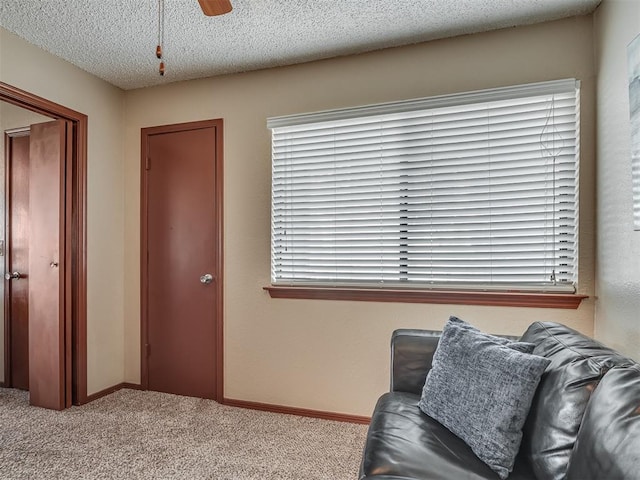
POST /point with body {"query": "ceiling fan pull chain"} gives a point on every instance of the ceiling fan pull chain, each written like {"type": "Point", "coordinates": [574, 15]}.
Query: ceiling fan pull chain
{"type": "Point", "coordinates": [160, 35]}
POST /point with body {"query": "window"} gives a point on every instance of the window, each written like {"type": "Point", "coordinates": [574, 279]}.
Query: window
{"type": "Point", "coordinates": [474, 191]}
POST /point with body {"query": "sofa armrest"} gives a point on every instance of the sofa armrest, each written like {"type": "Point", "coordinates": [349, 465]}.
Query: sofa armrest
{"type": "Point", "coordinates": [411, 354]}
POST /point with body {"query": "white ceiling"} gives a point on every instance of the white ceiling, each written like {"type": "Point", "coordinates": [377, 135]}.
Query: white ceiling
{"type": "Point", "coordinates": [116, 39]}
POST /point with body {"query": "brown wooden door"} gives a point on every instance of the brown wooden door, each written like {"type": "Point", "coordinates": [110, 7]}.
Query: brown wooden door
{"type": "Point", "coordinates": [181, 209]}
{"type": "Point", "coordinates": [47, 330]}
{"type": "Point", "coordinates": [17, 289]}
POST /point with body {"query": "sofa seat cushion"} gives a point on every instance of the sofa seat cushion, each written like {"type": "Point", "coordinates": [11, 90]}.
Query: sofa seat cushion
{"type": "Point", "coordinates": [404, 443]}
{"type": "Point", "coordinates": [577, 365]}
{"type": "Point", "coordinates": [608, 444]}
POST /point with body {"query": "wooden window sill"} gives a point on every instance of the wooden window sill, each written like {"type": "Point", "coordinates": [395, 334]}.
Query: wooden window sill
{"type": "Point", "coordinates": [452, 297]}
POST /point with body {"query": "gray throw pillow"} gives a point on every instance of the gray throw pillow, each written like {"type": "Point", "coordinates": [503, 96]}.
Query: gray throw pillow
{"type": "Point", "coordinates": [524, 347]}
{"type": "Point", "coordinates": [481, 390]}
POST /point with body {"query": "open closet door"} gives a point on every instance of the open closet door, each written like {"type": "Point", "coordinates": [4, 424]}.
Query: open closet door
{"type": "Point", "coordinates": [48, 332]}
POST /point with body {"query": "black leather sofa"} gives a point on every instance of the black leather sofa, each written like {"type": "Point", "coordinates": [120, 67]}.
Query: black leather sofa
{"type": "Point", "coordinates": [584, 421]}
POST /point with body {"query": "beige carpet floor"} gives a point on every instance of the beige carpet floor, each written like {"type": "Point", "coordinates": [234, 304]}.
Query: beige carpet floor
{"type": "Point", "coordinates": [148, 435]}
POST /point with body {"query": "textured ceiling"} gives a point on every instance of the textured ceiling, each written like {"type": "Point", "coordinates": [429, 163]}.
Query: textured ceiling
{"type": "Point", "coordinates": [116, 39]}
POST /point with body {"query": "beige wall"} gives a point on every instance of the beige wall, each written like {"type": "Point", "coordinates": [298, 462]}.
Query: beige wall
{"type": "Point", "coordinates": [31, 69]}
{"type": "Point", "coordinates": [617, 317]}
{"type": "Point", "coordinates": [329, 355]}
{"type": "Point", "coordinates": [312, 354]}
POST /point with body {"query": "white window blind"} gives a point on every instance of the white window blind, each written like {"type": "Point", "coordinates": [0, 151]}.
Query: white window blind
{"type": "Point", "coordinates": [475, 190]}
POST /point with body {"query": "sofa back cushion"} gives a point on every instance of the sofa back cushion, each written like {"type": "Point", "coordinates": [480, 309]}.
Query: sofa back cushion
{"type": "Point", "coordinates": [608, 444]}
{"type": "Point", "coordinates": [577, 365]}
{"type": "Point", "coordinates": [411, 355]}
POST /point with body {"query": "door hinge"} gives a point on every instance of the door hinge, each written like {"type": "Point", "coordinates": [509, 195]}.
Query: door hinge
{"type": "Point", "coordinates": [147, 164]}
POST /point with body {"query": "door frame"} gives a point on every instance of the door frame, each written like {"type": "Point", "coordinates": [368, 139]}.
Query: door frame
{"type": "Point", "coordinates": [218, 341]}
{"type": "Point", "coordinates": [73, 229]}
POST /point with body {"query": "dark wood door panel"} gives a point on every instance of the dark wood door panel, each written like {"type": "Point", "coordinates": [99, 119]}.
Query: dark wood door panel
{"type": "Point", "coordinates": [181, 247]}
{"type": "Point", "coordinates": [47, 372]}
{"type": "Point", "coordinates": [17, 290]}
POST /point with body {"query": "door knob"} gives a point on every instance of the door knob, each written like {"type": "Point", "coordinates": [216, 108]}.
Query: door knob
{"type": "Point", "coordinates": [207, 278]}
{"type": "Point", "coordinates": [11, 276]}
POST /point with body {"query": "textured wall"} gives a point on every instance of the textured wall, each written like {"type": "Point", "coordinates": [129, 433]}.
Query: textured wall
{"type": "Point", "coordinates": [313, 354]}
{"type": "Point", "coordinates": [617, 317]}
{"type": "Point", "coordinates": [330, 355]}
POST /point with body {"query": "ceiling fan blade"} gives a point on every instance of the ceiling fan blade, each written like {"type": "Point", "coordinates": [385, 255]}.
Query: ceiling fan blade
{"type": "Point", "coordinates": [215, 7]}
